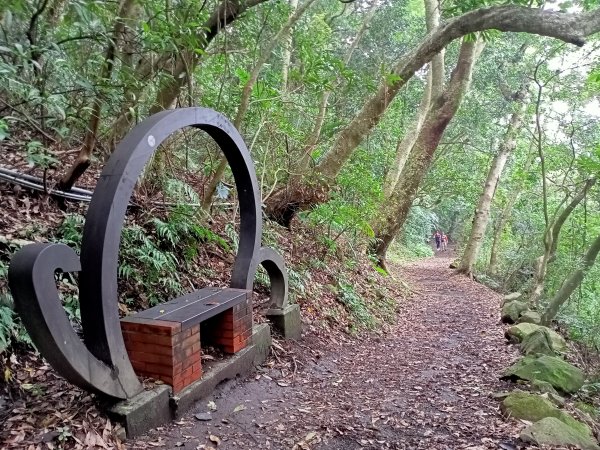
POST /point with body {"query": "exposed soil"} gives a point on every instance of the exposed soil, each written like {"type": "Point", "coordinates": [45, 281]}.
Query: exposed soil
{"type": "Point", "coordinates": [424, 385]}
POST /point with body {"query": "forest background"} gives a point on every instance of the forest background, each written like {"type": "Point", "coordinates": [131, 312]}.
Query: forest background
{"type": "Point", "coordinates": [371, 124]}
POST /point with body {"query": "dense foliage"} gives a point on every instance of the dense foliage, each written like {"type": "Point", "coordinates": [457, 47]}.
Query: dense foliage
{"type": "Point", "coordinates": [76, 75]}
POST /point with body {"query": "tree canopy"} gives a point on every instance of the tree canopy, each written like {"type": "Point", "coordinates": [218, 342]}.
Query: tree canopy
{"type": "Point", "coordinates": [375, 121]}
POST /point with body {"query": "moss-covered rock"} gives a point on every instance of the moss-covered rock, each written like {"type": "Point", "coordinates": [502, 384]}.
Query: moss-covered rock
{"type": "Point", "coordinates": [510, 297]}
{"type": "Point", "coordinates": [552, 432]}
{"type": "Point", "coordinates": [538, 343]}
{"type": "Point", "coordinates": [532, 407]}
{"type": "Point", "coordinates": [542, 386]}
{"type": "Point", "coordinates": [591, 410]}
{"type": "Point", "coordinates": [512, 310]}
{"type": "Point", "coordinates": [530, 317]}
{"type": "Point", "coordinates": [560, 374]}
{"type": "Point", "coordinates": [518, 332]}
{"type": "Point", "coordinates": [548, 391]}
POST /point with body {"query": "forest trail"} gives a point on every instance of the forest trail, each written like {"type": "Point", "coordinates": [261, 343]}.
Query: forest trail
{"type": "Point", "coordinates": [427, 385]}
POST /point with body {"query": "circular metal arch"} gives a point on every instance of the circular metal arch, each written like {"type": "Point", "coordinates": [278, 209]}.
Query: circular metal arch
{"type": "Point", "coordinates": [106, 216]}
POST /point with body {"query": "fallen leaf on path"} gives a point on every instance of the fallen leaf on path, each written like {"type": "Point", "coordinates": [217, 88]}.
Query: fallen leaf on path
{"type": "Point", "coordinates": [239, 408]}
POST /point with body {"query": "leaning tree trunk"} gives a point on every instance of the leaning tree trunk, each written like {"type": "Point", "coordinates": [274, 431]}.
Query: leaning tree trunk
{"type": "Point", "coordinates": [482, 212]}
{"type": "Point", "coordinates": [247, 92]}
{"type": "Point", "coordinates": [572, 282]}
{"type": "Point", "coordinates": [551, 236]}
{"type": "Point", "coordinates": [406, 142]}
{"type": "Point", "coordinates": [433, 88]}
{"type": "Point", "coordinates": [83, 160]}
{"type": "Point", "coordinates": [315, 134]}
{"type": "Point", "coordinates": [567, 27]}
{"type": "Point", "coordinates": [278, 205]}
{"type": "Point", "coordinates": [393, 211]}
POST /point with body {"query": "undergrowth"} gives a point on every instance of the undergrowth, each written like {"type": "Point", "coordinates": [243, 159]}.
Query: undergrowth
{"type": "Point", "coordinates": [166, 254]}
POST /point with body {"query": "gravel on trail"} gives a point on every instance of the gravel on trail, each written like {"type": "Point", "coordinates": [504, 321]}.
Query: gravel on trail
{"type": "Point", "coordinates": [425, 385]}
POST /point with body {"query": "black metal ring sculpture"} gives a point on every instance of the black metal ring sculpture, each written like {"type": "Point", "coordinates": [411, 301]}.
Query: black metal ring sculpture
{"type": "Point", "coordinates": [274, 265]}
{"type": "Point", "coordinates": [102, 364]}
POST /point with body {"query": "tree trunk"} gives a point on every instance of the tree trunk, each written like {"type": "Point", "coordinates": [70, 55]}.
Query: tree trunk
{"type": "Point", "coordinates": [144, 72]}
{"type": "Point", "coordinates": [503, 219]}
{"type": "Point", "coordinates": [287, 50]}
{"type": "Point", "coordinates": [571, 28]}
{"type": "Point", "coordinates": [482, 212]}
{"type": "Point", "coordinates": [247, 92]}
{"type": "Point", "coordinates": [433, 88]}
{"type": "Point", "coordinates": [89, 141]}
{"type": "Point", "coordinates": [406, 142]}
{"type": "Point", "coordinates": [551, 236]}
{"type": "Point", "coordinates": [572, 282]}
{"type": "Point", "coordinates": [226, 13]}
{"type": "Point", "coordinates": [393, 211]}
{"type": "Point", "coordinates": [56, 10]}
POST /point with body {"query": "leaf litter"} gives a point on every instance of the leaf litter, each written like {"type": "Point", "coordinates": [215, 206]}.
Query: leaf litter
{"type": "Point", "coordinates": [427, 383]}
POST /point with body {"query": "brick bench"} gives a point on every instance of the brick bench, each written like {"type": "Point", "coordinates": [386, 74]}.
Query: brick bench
{"type": "Point", "coordinates": [163, 342]}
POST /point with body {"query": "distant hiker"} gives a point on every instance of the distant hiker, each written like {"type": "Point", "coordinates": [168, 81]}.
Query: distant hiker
{"type": "Point", "coordinates": [444, 242]}
{"type": "Point", "coordinates": [438, 239]}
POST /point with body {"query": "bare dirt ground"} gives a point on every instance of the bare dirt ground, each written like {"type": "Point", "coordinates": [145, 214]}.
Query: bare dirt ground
{"type": "Point", "coordinates": [425, 385]}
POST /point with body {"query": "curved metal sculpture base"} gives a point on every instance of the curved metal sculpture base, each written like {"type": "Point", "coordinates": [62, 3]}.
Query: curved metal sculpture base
{"type": "Point", "coordinates": [102, 364]}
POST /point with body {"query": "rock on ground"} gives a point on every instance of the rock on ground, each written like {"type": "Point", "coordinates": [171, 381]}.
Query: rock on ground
{"type": "Point", "coordinates": [531, 407]}
{"type": "Point", "coordinates": [560, 374]}
{"type": "Point", "coordinates": [511, 311]}
{"type": "Point", "coordinates": [538, 343]}
{"type": "Point", "coordinates": [554, 433]}
{"type": "Point", "coordinates": [530, 317]}
{"type": "Point", "coordinates": [517, 333]}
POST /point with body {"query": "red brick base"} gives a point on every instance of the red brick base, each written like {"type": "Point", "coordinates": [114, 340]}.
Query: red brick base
{"type": "Point", "coordinates": [161, 349]}
{"type": "Point", "coordinates": [231, 330]}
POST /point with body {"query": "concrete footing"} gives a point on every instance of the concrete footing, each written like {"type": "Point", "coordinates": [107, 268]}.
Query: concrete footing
{"type": "Point", "coordinates": [148, 409]}
{"type": "Point", "coordinates": [286, 321]}
{"type": "Point", "coordinates": [155, 407]}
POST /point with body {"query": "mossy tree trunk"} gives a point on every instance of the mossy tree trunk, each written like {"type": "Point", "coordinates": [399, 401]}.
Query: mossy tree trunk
{"type": "Point", "coordinates": [393, 211]}
{"type": "Point", "coordinates": [569, 28]}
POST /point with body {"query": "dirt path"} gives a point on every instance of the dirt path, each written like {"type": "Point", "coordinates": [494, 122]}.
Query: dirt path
{"type": "Point", "coordinates": [425, 386]}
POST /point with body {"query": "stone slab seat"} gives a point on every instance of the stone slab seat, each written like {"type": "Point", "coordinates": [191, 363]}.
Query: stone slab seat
{"type": "Point", "coordinates": [163, 342]}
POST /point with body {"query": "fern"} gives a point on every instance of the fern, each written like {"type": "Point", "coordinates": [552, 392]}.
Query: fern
{"type": "Point", "coordinates": [167, 231]}
{"type": "Point", "coordinates": [70, 230]}
{"type": "Point", "coordinates": [8, 327]}
{"type": "Point", "coordinates": [180, 191]}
